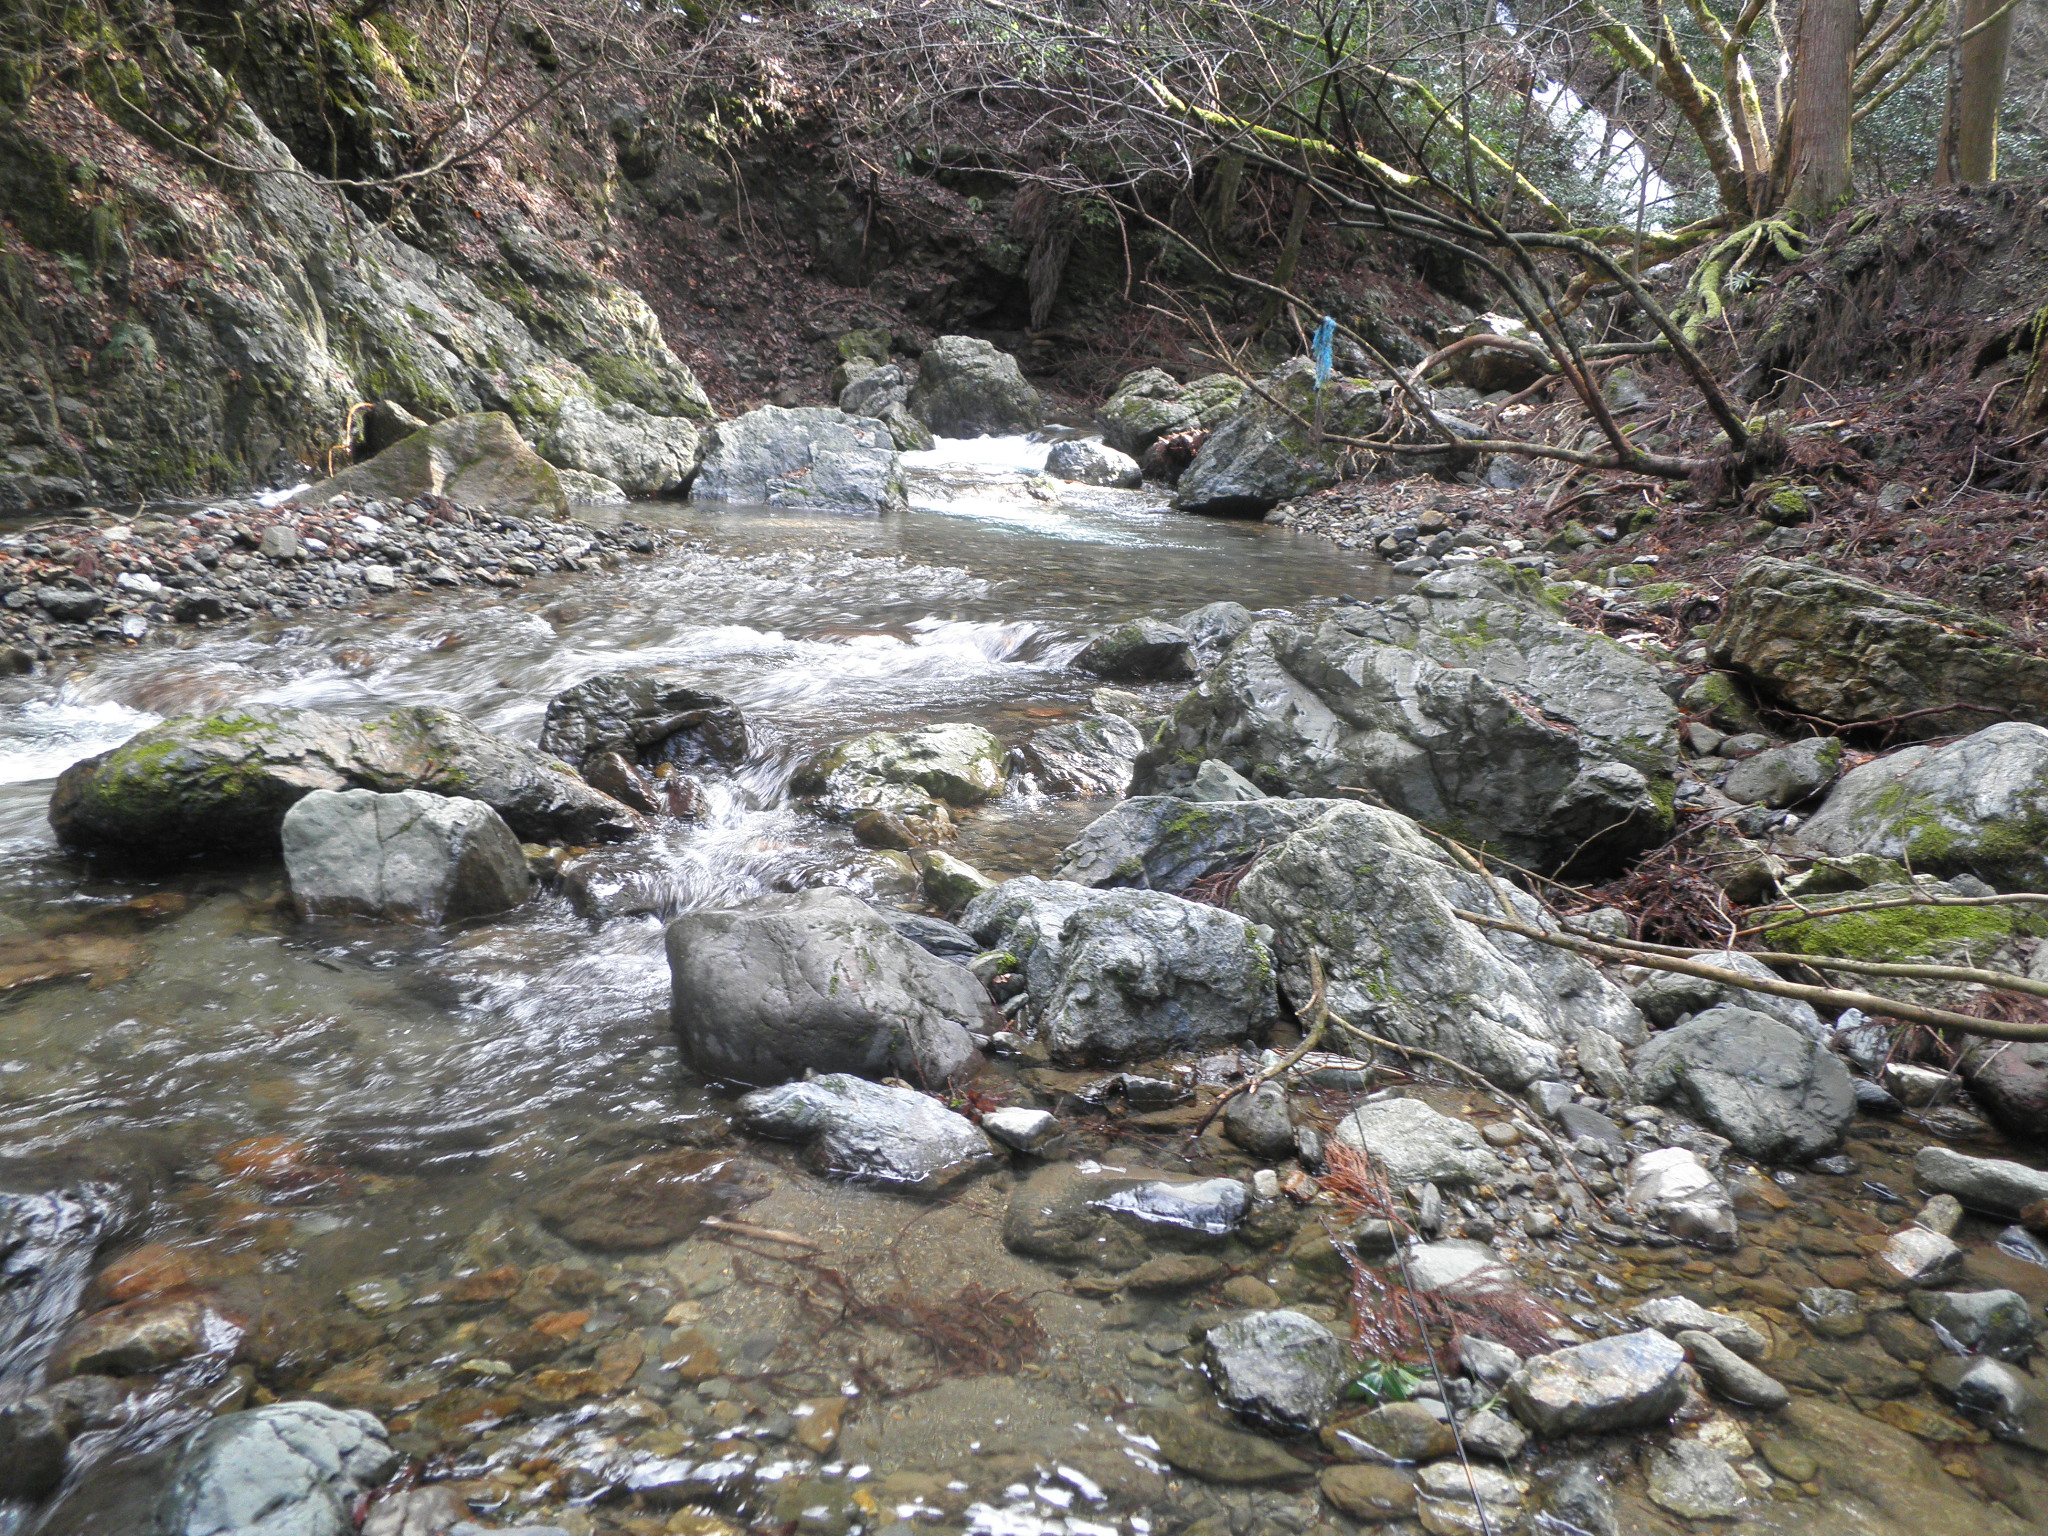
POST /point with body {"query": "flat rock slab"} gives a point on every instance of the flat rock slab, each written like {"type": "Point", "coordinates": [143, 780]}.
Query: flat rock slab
{"type": "Point", "coordinates": [1413, 1144]}
{"type": "Point", "coordinates": [1214, 1452]}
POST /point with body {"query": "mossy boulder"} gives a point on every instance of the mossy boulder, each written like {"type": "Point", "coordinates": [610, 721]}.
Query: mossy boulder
{"type": "Point", "coordinates": [1151, 404]}
{"type": "Point", "coordinates": [478, 460]}
{"type": "Point", "coordinates": [1966, 935]}
{"type": "Point", "coordinates": [1831, 646]}
{"type": "Point", "coordinates": [1977, 806]}
{"type": "Point", "coordinates": [908, 773]}
{"type": "Point", "coordinates": [966, 387]}
{"type": "Point", "coordinates": [1263, 453]}
{"type": "Point", "coordinates": [219, 785]}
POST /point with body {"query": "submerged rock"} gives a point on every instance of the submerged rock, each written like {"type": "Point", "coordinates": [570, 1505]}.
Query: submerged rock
{"type": "Point", "coordinates": [1214, 1452]}
{"type": "Point", "coordinates": [1776, 1094]}
{"type": "Point", "coordinates": [1823, 643]}
{"type": "Point", "coordinates": [1452, 1495]}
{"type": "Point", "coordinates": [966, 387]}
{"type": "Point", "coordinates": [1413, 1144]}
{"type": "Point", "coordinates": [1619, 1383]}
{"type": "Point", "coordinates": [1469, 706]}
{"type": "Point", "coordinates": [1068, 1213]}
{"type": "Point", "coordinates": [1126, 975]}
{"type": "Point", "coordinates": [648, 1202]}
{"type": "Point", "coordinates": [409, 857]}
{"type": "Point", "coordinates": [1376, 898]}
{"type": "Point", "coordinates": [1278, 1369]}
{"type": "Point", "coordinates": [870, 1132]}
{"type": "Point", "coordinates": [1695, 1482]}
{"type": "Point", "coordinates": [221, 784]}
{"type": "Point", "coordinates": [476, 460]}
{"type": "Point", "coordinates": [287, 1469]}
{"type": "Point", "coordinates": [808, 457]}
{"type": "Point", "coordinates": [818, 981]}
{"type": "Point", "coordinates": [1999, 1323]}
{"type": "Point", "coordinates": [1978, 806]}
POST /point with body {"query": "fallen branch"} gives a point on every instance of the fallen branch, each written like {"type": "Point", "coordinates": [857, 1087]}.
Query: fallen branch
{"type": "Point", "coordinates": [1825, 997]}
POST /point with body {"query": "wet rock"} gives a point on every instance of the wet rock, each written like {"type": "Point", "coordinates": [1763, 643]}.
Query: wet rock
{"type": "Point", "coordinates": [1491, 1434]}
{"type": "Point", "coordinates": [2009, 1078]}
{"type": "Point", "coordinates": [1825, 644]}
{"type": "Point", "coordinates": [1731, 1375]}
{"type": "Point", "coordinates": [1989, 1391]}
{"type": "Point", "coordinates": [1377, 899]}
{"type": "Point", "coordinates": [1151, 404]}
{"type": "Point", "coordinates": [1258, 1122]}
{"type": "Point", "coordinates": [1998, 1323]}
{"type": "Point", "coordinates": [1055, 1214]}
{"type": "Point", "coordinates": [1128, 974]}
{"type": "Point", "coordinates": [476, 460]}
{"type": "Point", "coordinates": [1831, 1312]}
{"type": "Point", "coordinates": [1676, 1314]}
{"type": "Point", "coordinates": [1141, 650]}
{"type": "Point", "coordinates": [416, 1512]}
{"type": "Point", "coordinates": [1260, 455]}
{"type": "Point", "coordinates": [641, 453]}
{"type": "Point", "coordinates": [221, 784]}
{"type": "Point", "coordinates": [1370, 1494]}
{"type": "Point", "coordinates": [1975, 806]}
{"type": "Point", "coordinates": [1785, 776]}
{"type": "Point", "coordinates": [288, 1469]}
{"type": "Point", "coordinates": [408, 857]}
{"type": "Point", "coordinates": [1580, 1500]}
{"type": "Point", "coordinates": [1917, 1256]}
{"type": "Point", "coordinates": [1403, 1431]}
{"type": "Point", "coordinates": [1215, 628]}
{"type": "Point", "coordinates": [1989, 1184]}
{"type": "Point", "coordinates": [932, 935]}
{"type": "Point", "coordinates": [1485, 1361]}
{"type": "Point", "coordinates": [1425, 702]}
{"type": "Point", "coordinates": [1623, 1382]}
{"type": "Point", "coordinates": [1413, 1144]}
{"type": "Point", "coordinates": [949, 883]}
{"type": "Point", "coordinates": [1775, 1094]}
{"type": "Point", "coordinates": [1210, 1450]}
{"type": "Point", "coordinates": [149, 1335]}
{"type": "Point", "coordinates": [1695, 1482]}
{"type": "Point", "coordinates": [648, 1202]}
{"type": "Point", "coordinates": [35, 1439]}
{"type": "Point", "coordinates": [1278, 1369]}
{"type": "Point", "coordinates": [810, 457]}
{"type": "Point", "coordinates": [1023, 1130]}
{"type": "Point", "coordinates": [902, 772]}
{"type": "Point", "coordinates": [1205, 1209]}
{"type": "Point", "coordinates": [967, 388]}
{"type": "Point", "coordinates": [651, 715]}
{"type": "Point", "coordinates": [1667, 997]}
{"type": "Point", "coordinates": [871, 1133]}
{"type": "Point", "coordinates": [1673, 1188]}
{"type": "Point", "coordinates": [818, 981]}
{"type": "Point", "coordinates": [1091, 463]}
{"type": "Point", "coordinates": [1175, 1272]}
{"type": "Point", "coordinates": [1167, 843]}
{"type": "Point", "coordinates": [1089, 756]}
{"type": "Point", "coordinates": [1448, 1493]}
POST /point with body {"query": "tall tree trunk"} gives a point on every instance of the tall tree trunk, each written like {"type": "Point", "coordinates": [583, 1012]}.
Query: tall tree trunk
{"type": "Point", "coordinates": [1817, 165]}
{"type": "Point", "coordinates": [1290, 252]}
{"type": "Point", "coordinates": [1970, 136]}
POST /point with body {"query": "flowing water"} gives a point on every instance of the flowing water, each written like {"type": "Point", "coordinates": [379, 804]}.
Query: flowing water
{"type": "Point", "coordinates": [447, 1079]}
{"type": "Point", "coordinates": [329, 1141]}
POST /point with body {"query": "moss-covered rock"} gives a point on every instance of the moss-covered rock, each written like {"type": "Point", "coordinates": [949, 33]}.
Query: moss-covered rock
{"type": "Point", "coordinates": [908, 773]}
{"type": "Point", "coordinates": [219, 785]}
{"type": "Point", "coordinates": [1151, 404]}
{"type": "Point", "coordinates": [1828, 645]}
{"type": "Point", "coordinates": [1963, 934]}
{"type": "Point", "coordinates": [1977, 806]}
{"type": "Point", "coordinates": [475, 461]}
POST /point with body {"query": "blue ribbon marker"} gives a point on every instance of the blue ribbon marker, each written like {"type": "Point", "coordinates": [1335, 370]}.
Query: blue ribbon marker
{"type": "Point", "coordinates": [1325, 339]}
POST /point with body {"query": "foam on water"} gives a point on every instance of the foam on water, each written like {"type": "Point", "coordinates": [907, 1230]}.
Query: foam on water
{"type": "Point", "coordinates": [45, 736]}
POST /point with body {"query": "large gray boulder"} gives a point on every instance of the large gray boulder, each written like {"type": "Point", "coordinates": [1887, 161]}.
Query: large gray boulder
{"type": "Point", "coordinates": [652, 714]}
{"type": "Point", "coordinates": [914, 773]}
{"type": "Point", "coordinates": [1977, 806]}
{"type": "Point", "coordinates": [1279, 1369]}
{"type": "Point", "coordinates": [220, 784]}
{"type": "Point", "coordinates": [286, 1469]}
{"type": "Point", "coordinates": [1141, 650]}
{"type": "Point", "coordinates": [1468, 705]}
{"type": "Point", "coordinates": [641, 453]}
{"type": "Point", "coordinates": [1778, 1095]}
{"type": "Point", "coordinates": [882, 392]}
{"type": "Point", "coordinates": [1631, 1380]}
{"type": "Point", "coordinates": [968, 388]}
{"type": "Point", "coordinates": [807, 458]}
{"type": "Point", "coordinates": [1090, 463]}
{"type": "Point", "coordinates": [1151, 404]}
{"type": "Point", "coordinates": [1127, 975]}
{"type": "Point", "coordinates": [818, 981]}
{"type": "Point", "coordinates": [410, 856]}
{"type": "Point", "coordinates": [1089, 756]}
{"type": "Point", "coordinates": [476, 460]}
{"type": "Point", "coordinates": [1667, 996]}
{"type": "Point", "coordinates": [1261, 454]}
{"type": "Point", "coordinates": [1825, 644]}
{"type": "Point", "coordinates": [1376, 897]}
{"type": "Point", "coordinates": [1168, 842]}
{"type": "Point", "coordinates": [870, 1132]}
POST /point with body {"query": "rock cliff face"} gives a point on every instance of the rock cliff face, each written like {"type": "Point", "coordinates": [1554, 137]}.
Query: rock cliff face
{"type": "Point", "coordinates": [172, 324]}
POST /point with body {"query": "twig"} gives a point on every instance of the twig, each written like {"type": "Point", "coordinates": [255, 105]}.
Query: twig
{"type": "Point", "coordinates": [1318, 1024]}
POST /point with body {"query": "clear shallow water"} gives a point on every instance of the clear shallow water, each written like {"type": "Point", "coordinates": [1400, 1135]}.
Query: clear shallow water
{"type": "Point", "coordinates": [445, 1077]}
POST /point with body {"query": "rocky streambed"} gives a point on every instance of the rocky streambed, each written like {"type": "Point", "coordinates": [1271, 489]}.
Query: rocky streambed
{"type": "Point", "coordinates": [861, 1089]}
